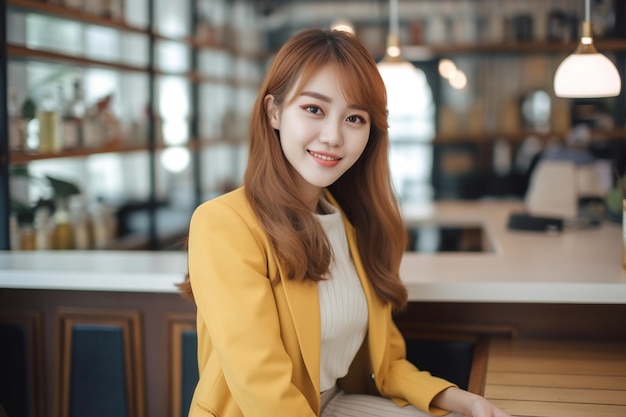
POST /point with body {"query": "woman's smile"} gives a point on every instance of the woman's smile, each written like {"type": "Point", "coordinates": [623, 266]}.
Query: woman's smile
{"type": "Point", "coordinates": [324, 159]}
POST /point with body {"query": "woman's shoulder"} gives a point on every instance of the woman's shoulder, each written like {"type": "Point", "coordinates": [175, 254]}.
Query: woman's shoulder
{"type": "Point", "coordinates": [234, 200]}
{"type": "Point", "coordinates": [230, 206]}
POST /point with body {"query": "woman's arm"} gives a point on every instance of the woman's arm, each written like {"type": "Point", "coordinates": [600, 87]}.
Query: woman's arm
{"type": "Point", "coordinates": [464, 402]}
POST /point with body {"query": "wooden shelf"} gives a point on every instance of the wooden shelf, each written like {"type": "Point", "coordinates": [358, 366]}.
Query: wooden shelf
{"type": "Point", "coordinates": [206, 45]}
{"type": "Point", "coordinates": [199, 144]}
{"type": "Point", "coordinates": [533, 47]}
{"type": "Point", "coordinates": [21, 157]}
{"type": "Point", "coordinates": [517, 137]}
{"type": "Point", "coordinates": [56, 10]}
{"type": "Point", "coordinates": [22, 52]}
{"type": "Point", "coordinates": [421, 52]}
{"type": "Point", "coordinates": [514, 137]}
{"type": "Point", "coordinates": [199, 78]}
{"type": "Point", "coordinates": [485, 137]}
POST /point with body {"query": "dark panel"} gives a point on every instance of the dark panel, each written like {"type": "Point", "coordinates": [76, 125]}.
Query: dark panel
{"type": "Point", "coordinates": [447, 359]}
{"type": "Point", "coordinates": [14, 395]}
{"type": "Point", "coordinates": [189, 368]}
{"type": "Point", "coordinates": [98, 385]}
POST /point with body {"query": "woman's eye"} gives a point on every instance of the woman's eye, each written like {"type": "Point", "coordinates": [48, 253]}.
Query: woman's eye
{"type": "Point", "coordinates": [355, 119]}
{"type": "Point", "coordinates": [313, 109]}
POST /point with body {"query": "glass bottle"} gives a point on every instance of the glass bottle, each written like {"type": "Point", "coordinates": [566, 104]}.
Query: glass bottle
{"type": "Point", "coordinates": [63, 234]}
{"type": "Point", "coordinates": [48, 116]}
{"type": "Point", "coordinates": [43, 232]}
{"type": "Point", "coordinates": [29, 116]}
{"type": "Point", "coordinates": [14, 232]}
{"type": "Point", "coordinates": [104, 224]}
{"type": "Point", "coordinates": [27, 237]}
{"type": "Point", "coordinates": [17, 125]}
{"type": "Point", "coordinates": [83, 227]}
{"type": "Point", "coordinates": [73, 119]}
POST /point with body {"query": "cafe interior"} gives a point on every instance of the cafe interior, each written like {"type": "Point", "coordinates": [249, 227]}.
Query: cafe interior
{"type": "Point", "coordinates": [507, 131]}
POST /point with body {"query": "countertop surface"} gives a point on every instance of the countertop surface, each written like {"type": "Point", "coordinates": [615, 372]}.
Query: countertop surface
{"type": "Point", "coordinates": [576, 266]}
{"type": "Point", "coordinates": [579, 265]}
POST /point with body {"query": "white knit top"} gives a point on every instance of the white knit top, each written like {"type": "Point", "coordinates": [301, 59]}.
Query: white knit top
{"type": "Point", "coordinates": [343, 306]}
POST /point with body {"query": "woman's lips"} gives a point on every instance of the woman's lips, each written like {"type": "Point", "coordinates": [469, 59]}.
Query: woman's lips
{"type": "Point", "coordinates": [325, 159]}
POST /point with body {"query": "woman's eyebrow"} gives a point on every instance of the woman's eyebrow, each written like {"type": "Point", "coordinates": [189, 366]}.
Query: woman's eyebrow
{"type": "Point", "coordinates": [317, 96]}
{"type": "Point", "coordinates": [327, 99]}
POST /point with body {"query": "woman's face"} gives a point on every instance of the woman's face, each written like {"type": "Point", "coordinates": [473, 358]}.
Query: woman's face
{"type": "Point", "coordinates": [321, 134]}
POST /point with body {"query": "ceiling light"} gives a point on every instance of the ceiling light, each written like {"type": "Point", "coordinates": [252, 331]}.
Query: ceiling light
{"type": "Point", "coordinates": [587, 73]}
{"type": "Point", "coordinates": [405, 84]}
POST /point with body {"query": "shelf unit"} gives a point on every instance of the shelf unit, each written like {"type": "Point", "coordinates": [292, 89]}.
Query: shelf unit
{"type": "Point", "coordinates": [199, 142]}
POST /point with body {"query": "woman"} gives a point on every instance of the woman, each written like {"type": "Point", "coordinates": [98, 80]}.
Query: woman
{"type": "Point", "coordinates": [295, 275]}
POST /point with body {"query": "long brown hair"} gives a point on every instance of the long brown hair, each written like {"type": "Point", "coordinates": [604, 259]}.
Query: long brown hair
{"type": "Point", "coordinates": [364, 192]}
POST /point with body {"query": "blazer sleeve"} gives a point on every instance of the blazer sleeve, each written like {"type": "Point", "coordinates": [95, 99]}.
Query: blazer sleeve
{"type": "Point", "coordinates": [404, 383]}
{"type": "Point", "coordinates": [233, 293]}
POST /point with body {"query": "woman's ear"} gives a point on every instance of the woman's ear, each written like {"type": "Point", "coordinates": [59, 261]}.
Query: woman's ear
{"type": "Point", "coordinates": [272, 111]}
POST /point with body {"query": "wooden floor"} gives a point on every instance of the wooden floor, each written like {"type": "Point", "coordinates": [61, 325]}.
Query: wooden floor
{"type": "Point", "coordinates": [533, 378]}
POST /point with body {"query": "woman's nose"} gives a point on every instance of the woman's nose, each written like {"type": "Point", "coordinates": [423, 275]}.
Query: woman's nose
{"type": "Point", "coordinates": [331, 133]}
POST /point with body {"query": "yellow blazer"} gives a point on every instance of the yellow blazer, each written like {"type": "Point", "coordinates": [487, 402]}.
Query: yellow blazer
{"type": "Point", "coordinates": [259, 332]}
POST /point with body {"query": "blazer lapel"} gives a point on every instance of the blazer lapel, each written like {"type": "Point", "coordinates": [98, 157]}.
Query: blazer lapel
{"type": "Point", "coordinates": [303, 300]}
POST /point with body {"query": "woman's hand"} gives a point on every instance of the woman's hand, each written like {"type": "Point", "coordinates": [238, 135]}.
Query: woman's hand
{"type": "Point", "coordinates": [482, 408]}
{"type": "Point", "coordinates": [466, 403]}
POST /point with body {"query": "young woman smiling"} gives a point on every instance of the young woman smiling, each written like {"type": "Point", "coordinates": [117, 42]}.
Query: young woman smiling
{"type": "Point", "coordinates": [295, 274]}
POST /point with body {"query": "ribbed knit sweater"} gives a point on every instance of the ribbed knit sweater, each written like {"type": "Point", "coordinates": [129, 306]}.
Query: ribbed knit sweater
{"type": "Point", "coordinates": [343, 306]}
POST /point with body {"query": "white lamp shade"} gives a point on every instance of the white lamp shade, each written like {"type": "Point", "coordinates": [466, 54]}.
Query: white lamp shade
{"type": "Point", "coordinates": [409, 100]}
{"type": "Point", "coordinates": [586, 76]}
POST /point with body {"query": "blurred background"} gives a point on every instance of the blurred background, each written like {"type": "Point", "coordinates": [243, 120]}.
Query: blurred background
{"type": "Point", "coordinates": [123, 115]}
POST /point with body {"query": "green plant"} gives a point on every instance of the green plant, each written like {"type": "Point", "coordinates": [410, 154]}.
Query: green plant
{"type": "Point", "coordinates": [61, 191]}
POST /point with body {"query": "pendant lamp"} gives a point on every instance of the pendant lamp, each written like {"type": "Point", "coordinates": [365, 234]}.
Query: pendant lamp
{"type": "Point", "coordinates": [393, 66]}
{"type": "Point", "coordinates": [587, 73]}
{"type": "Point", "coordinates": [405, 84]}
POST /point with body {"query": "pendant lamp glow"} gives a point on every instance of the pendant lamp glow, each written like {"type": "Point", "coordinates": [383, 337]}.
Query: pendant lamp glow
{"type": "Point", "coordinates": [587, 73]}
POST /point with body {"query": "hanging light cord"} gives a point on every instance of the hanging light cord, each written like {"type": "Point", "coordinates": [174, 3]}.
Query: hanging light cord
{"type": "Point", "coordinates": [586, 40]}
{"type": "Point", "coordinates": [393, 18]}
{"type": "Point", "coordinates": [393, 38]}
